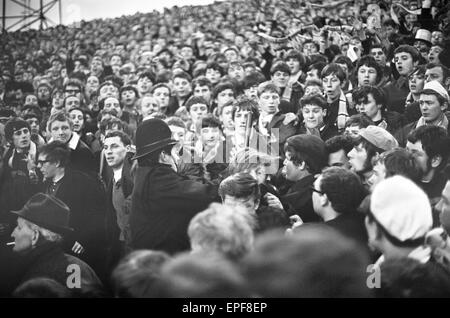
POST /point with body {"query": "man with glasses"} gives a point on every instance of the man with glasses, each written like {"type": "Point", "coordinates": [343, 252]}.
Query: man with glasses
{"type": "Point", "coordinates": [86, 200]}
{"type": "Point", "coordinates": [336, 195]}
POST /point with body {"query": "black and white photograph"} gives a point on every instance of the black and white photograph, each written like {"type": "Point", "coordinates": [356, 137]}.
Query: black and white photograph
{"type": "Point", "coordinates": [226, 154]}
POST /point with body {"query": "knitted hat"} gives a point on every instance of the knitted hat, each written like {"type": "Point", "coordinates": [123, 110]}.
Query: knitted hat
{"type": "Point", "coordinates": [402, 208]}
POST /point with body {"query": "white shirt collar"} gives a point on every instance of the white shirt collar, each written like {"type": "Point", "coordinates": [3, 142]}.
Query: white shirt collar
{"type": "Point", "coordinates": [73, 142]}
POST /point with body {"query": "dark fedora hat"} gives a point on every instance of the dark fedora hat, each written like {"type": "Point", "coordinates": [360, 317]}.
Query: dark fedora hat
{"type": "Point", "coordinates": [151, 135]}
{"type": "Point", "coordinates": [48, 212]}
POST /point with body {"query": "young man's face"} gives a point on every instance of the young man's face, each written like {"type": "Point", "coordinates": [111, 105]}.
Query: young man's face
{"type": "Point", "coordinates": [416, 83]}
{"type": "Point", "coordinates": [430, 108]}
{"type": "Point", "coordinates": [60, 130]}
{"type": "Point", "coordinates": [367, 75]}
{"type": "Point", "coordinates": [293, 64]}
{"type": "Point", "coordinates": [358, 158]}
{"type": "Point", "coordinates": [108, 91]}
{"type": "Point", "coordinates": [236, 71]}
{"type": "Point", "coordinates": [290, 169]}
{"type": "Point", "coordinates": [313, 90]}
{"type": "Point", "coordinates": [433, 55]}
{"type": "Point", "coordinates": [43, 93]}
{"type": "Point", "coordinates": [379, 174]}
{"type": "Point", "coordinates": [404, 63]}
{"type": "Point", "coordinates": [213, 75]}
{"type": "Point", "coordinates": [71, 90]}
{"type": "Point", "coordinates": [92, 84]}
{"type": "Point", "coordinates": [210, 136]}
{"type": "Point", "coordinates": [338, 159]}
{"type": "Point", "coordinates": [115, 151]}
{"type": "Point", "coordinates": [224, 97]}
{"type": "Point", "coordinates": [34, 125]}
{"type": "Point", "coordinates": [332, 86]}
{"type": "Point", "coordinates": [379, 56]}
{"type": "Point", "coordinates": [369, 108]}
{"type": "Point", "coordinates": [128, 98]}
{"type": "Point", "coordinates": [434, 74]}
{"type": "Point", "coordinates": [21, 138]}
{"type": "Point", "coordinates": [77, 120]}
{"type": "Point", "coordinates": [226, 117]}
{"type": "Point", "coordinates": [252, 92]}
{"type": "Point", "coordinates": [420, 156]}
{"type": "Point", "coordinates": [47, 168]}
{"type": "Point", "coordinates": [313, 116]}
{"type": "Point", "coordinates": [182, 86]}
{"type": "Point", "coordinates": [269, 102]}
{"type": "Point", "coordinates": [280, 78]}
{"type": "Point", "coordinates": [437, 37]}
{"type": "Point", "coordinates": [241, 118]}
{"type": "Point", "coordinates": [144, 84]}
{"type": "Point", "coordinates": [71, 102]}
{"type": "Point", "coordinates": [162, 94]}
{"type": "Point", "coordinates": [197, 112]}
{"type": "Point", "coordinates": [31, 100]}
{"type": "Point", "coordinates": [203, 91]}
{"type": "Point", "coordinates": [309, 48]}
{"type": "Point", "coordinates": [178, 134]}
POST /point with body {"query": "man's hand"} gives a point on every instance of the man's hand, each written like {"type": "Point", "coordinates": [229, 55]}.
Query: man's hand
{"type": "Point", "coordinates": [273, 201]}
{"type": "Point", "coordinates": [77, 248]}
{"type": "Point", "coordinates": [290, 118]}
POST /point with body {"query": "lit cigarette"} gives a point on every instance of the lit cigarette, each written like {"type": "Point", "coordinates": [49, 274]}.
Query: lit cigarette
{"type": "Point", "coordinates": [10, 243]}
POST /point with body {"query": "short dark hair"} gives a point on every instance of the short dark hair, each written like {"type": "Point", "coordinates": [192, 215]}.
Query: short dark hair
{"type": "Point", "coordinates": [342, 59]}
{"type": "Point", "coordinates": [294, 54]}
{"type": "Point", "coordinates": [435, 142]}
{"type": "Point", "coordinates": [314, 99]}
{"type": "Point", "coordinates": [221, 87]}
{"type": "Point", "coordinates": [309, 149]}
{"type": "Point", "coordinates": [336, 143]}
{"type": "Point", "coordinates": [154, 87]}
{"type": "Point", "coordinates": [361, 120]}
{"type": "Point", "coordinates": [129, 88]}
{"type": "Point", "coordinates": [360, 95]}
{"type": "Point", "coordinates": [445, 70]}
{"type": "Point", "coordinates": [369, 61]}
{"type": "Point", "coordinates": [343, 188]}
{"type": "Point", "coordinates": [195, 100]}
{"type": "Point", "coordinates": [411, 50]}
{"type": "Point", "coordinates": [148, 75]}
{"type": "Point", "coordinates": [182, 74]}
{"type": "Point", "coordinates": [201, 81]}
{"type": "Point", "coordinates": [317, 66]}
{"type": "Point", "coordinates": [281, 67]}
{"type": "Point", "coordinates": [210, 121]}
{"type": "Point", "coordinates": [399, 161]}
{"type": "Point", "coordinates": [333, 69]}
{"type": "Point", "coordinates": [240, 185]}
{"type": "Point", "coordinates": [124, 138]}
{"type": "Point", "coordinates": [252, 79]}
{"type": "Point", "coordinates": [56, 151]}
{"type": "Point", "coordinates": [246, 104]}
{"type": "Point", "coordinates": [215, 66]}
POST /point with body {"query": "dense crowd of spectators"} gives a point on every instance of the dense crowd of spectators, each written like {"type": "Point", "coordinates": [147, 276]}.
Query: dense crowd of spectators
{"type": "Point", "coordinates": [259, 148]}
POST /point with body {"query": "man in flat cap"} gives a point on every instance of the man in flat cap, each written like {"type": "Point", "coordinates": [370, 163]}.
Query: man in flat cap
{"type": "Point", "coordinates": [163, 202]}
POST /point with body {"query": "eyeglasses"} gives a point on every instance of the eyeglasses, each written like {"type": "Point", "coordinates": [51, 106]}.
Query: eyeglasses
{"type": "Point", "coordinates": [72, 91]}
{"type": "Point", "coordinates": [315, 190]}
{"type": "Point", "coordinates": [41, 162]}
